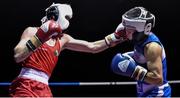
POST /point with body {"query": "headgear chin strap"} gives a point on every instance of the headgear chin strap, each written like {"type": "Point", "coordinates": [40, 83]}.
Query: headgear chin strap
{"type": "Point", "coordinates": [61, 13]}
{"type": "Point", "coordinates": [139, 20]}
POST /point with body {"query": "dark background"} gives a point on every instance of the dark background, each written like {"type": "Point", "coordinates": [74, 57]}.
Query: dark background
{"type": "Point", "coordinates": [92, 20]}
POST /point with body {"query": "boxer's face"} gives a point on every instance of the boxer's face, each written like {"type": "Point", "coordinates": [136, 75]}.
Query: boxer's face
{"type": "Point", "coordinates": [130, 31]}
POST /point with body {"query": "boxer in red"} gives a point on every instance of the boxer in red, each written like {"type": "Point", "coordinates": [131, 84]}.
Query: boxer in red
{"type": "Point", "coordinates": [39, 48]}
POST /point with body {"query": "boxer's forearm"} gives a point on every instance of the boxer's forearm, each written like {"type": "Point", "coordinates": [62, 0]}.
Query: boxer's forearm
{"type": "Point", "coordinates": [153, 78]}
{"type": "Point", "coordinates": [99, 46]}
{"type": "Point", "coordinates": [85, 46]}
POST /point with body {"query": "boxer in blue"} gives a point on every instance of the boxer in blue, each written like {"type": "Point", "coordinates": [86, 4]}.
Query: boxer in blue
{"type": "Point", "coordinates": [147, 63]}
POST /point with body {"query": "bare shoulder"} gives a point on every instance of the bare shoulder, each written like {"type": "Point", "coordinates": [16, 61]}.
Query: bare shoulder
{"type": "Point", "coordinates": [66, 37]}
{"type": "Point", "coordinates": [28, 32]}
{"type": "Point", "coordinates": [153, 50]}
{"type": "Point", "coordinates": [64, 40]}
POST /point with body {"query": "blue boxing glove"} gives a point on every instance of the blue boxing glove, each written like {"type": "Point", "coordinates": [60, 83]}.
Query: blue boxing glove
{"type": "Point", "coordinates": [125, 65]}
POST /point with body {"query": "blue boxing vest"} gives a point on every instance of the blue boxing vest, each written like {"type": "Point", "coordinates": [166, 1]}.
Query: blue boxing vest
{"type": "Point", "coordinates": [145, 89]}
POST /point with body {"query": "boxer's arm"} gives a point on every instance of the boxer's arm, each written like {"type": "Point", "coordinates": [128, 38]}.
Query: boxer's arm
{"type": "Point", "coordinates": [21, 51]}
{"type": "Point", "coordinates": [84, 46]}
{"type": "Point", "coordinates": [153, 53]}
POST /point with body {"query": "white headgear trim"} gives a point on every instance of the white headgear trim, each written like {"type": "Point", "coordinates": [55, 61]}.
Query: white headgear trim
{"type": "Point", "coordinates": [65, 11]}
{"type": "Point", "coordinates": [139, 22]}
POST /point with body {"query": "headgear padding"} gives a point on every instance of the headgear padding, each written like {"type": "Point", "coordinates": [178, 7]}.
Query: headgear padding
{"type": "Point", "coordinates": [138, 17]}
{"type": "Point", "coordinates": [61, 13]}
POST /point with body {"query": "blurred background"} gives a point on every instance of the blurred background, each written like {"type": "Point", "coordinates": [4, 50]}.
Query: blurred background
{"type": "Point", "coordinates": [92, 20]}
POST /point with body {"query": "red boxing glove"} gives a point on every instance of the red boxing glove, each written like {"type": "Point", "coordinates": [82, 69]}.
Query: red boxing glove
{"type": "Point", "coordinates": [47, 30]}
{"type": "Point", "coordinates": [118, 36]}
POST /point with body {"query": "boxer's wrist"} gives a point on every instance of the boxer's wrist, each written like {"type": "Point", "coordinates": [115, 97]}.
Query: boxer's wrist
{"type": "Point", "coordinates": [110, 39]}
{"type": "Point", "coordinates": [33, 43]}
